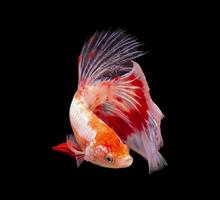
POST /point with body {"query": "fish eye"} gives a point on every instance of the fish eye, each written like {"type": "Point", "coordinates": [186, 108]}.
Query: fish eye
{"type": "Point", "coordinates": [109, 158]}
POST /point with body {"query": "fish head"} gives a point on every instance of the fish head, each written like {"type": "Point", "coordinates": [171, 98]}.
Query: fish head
{"type": "Point", "coordinates": [109, 151]}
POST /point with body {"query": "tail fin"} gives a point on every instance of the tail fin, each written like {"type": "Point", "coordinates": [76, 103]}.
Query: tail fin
{"type": "Point", "coordinates": [156, 162]}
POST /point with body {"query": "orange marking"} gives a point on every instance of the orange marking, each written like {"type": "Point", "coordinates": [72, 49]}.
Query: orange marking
{"type": "Point", "coordinates": [107, 137]}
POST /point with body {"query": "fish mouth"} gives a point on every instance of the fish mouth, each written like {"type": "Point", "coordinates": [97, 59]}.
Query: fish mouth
{"type": "Point", "coordinates": [125, 162]}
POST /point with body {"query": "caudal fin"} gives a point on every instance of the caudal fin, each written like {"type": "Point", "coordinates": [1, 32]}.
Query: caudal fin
{"type": "Point", "coordinates": [156, 162]}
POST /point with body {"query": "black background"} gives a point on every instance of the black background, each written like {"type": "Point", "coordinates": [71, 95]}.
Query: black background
{"type": "Point", "coordinates": [53, 40]}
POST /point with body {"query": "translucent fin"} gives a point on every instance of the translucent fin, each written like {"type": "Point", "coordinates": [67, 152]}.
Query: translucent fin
{"type": "Point", "coordinates": [114, 87]}
{"type": "Point", "coordinates": [103, 55]}
{"type": "Point", "coordinates": [124, 104]}
{"type": "Point", "coordinates": [156, 163]}
{"type": "Point", "coordinates": [73, 146]}
{"type": "Point", "coordinates": [79, 160]}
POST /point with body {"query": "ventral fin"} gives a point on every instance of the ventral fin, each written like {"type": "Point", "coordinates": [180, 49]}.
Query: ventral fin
{"type": "Point", "coordinates": [79, 160]}
{"type": "Point", "coordinates": [74, 147]}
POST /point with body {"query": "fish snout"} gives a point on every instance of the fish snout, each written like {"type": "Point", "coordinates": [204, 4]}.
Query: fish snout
{"type": "Point", "coordinates": [126, 161]}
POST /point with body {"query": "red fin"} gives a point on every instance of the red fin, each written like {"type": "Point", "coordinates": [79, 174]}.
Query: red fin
{"type": "Point", "coordinates": [72, 149]}
{"type": "Point", "coordinates": [126, 106]}
{"type": "Point", "coordinates": [126, 110]}
{"type": "Point", "coordinates": [64, 149]}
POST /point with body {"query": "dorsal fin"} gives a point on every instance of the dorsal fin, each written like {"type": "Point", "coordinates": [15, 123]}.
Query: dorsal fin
{"type": "Point", "coordinates": [104, 53]}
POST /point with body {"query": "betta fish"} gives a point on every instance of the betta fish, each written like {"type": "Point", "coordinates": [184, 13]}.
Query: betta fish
{"type": "Point", "coordinates": [112, 110]}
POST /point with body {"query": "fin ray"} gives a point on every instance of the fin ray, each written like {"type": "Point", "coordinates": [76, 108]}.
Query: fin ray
{"type": "Point", "coordinates": [124, 104]}
{"type": "Point", "coordinates": [115, 89]}
{"type": "Point", "coordinates": [111, 49]}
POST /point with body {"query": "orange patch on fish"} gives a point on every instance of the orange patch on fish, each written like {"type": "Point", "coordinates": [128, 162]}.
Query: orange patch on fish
{"type": "Point", "coordinates": [107, 136]}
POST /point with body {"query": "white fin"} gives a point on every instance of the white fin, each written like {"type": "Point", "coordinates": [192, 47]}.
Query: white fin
{"type": "Point", "coordinates": [79, 160]}
{"type": "Point", "coordinates": [103, 55]}
{"type": "Point", "coordinates": [157, 162]}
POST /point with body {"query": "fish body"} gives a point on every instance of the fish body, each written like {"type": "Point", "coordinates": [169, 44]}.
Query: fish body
{"type": "Point", "coordinates": [98, 142]}
{"type": "Point", "coordinates": [112, 110]}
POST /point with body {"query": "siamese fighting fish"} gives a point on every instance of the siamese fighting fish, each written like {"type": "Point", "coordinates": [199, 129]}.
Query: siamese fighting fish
{"type": "Point", "coordinates": [112, 111]}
